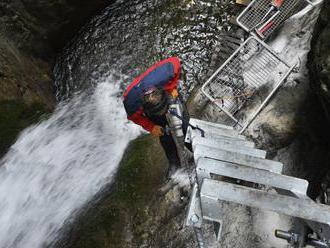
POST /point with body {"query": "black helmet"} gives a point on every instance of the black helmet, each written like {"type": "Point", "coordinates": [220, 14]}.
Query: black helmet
{"type": "Point", "coordinates": [155, 101]}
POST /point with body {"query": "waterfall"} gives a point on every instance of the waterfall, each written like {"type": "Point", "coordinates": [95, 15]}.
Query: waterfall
{"type": "Point", "coordinates": [56, 166]}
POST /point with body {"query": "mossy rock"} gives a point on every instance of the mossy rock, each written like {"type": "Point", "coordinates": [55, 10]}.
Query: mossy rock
{"type": "Point", "coordinates": [122, 218]}
{"type": "Point", "coordinates": [14, 117]}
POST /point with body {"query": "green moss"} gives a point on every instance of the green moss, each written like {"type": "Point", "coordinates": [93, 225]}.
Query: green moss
{"type": "Point", "coordinates": [140, 172]}
{"type": "Point", "coordinates": [121, 218]}
{"type": "Point", "coordinates": [14, 117]}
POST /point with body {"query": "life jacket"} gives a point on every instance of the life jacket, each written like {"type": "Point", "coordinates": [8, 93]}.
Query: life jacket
{"type": "Point", "coordinates": [164, 74]}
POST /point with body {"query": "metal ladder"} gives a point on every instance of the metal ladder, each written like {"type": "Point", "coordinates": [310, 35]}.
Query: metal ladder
{"type": "Point", "coordinates": [223, 152]}
{"type": "Point", "coordinates": [252, 16]}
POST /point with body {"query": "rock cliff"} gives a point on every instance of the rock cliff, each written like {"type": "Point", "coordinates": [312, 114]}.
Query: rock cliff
{"type": "Point", "coordinates": [319, 67]}
{"type": "Point", "coordinates": [319, 58]}
{"type": "Point", "coordinates": [31, 33]}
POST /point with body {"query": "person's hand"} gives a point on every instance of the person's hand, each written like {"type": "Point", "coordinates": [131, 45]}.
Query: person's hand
{"type": "Point", "coordinates": [157, 131]}
{"type": "Point", "coordinates": [174, 93]}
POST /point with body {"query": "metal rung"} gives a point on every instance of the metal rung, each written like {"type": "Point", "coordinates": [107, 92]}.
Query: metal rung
{"type": "Point", "coordinates": [221, 131]}
{"type": "Point", "coordinates": [238, 158]}
{"type": "Point", "coordinates": [214, 191]}
{"type": "Point", "coordinates": [212, 151]}
{"type": "Point", "coordinates": [197, 133]}
{"type": "Point", "coordinates": [217, 130]}
{"type": "Point", "coordinates": [219, 142]}
{"type": "Point", "coordinates": [205, 167]}
{"type": "Point", "coordinates": [202, 123]}
{"type": "Point", "coordinates": [219, 138]}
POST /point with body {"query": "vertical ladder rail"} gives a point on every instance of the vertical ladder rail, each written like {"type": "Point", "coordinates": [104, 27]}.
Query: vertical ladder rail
{"type": "Point", "coordinates": [195, 217]}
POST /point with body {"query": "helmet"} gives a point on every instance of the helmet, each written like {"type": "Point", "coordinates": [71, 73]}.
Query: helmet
{"type": "Point", "coordinates": [155, 101]}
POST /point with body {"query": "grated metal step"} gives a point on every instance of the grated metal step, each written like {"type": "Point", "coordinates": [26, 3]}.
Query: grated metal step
{"type": "Point", "coordinates": [195, 135]}
{"type": "Point", "coordinates": [214, 191]}
{"type": "Point", "coordinates": [212, 151]}
{"type": "Point", "coordinates": [221, 141]}
{"type": "Point", "coordinates": [238, 158]}
{"type": "Point", "coordinates": [219, 134]}
{"type": "Point", "coordinates": [203, 123]}
{"type": "Point", "coordinates": [206, 167]}
{"type": "Point", "coordinates": [218, 130]}
{"type": "Point", "coordinates": [221, 131]}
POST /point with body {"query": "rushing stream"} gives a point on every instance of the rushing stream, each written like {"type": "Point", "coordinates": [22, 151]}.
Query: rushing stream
{"type": "Point", "coordinates": [55, 167]}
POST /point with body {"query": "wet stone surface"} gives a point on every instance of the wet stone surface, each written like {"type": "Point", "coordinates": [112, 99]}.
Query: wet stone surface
{"type": "Point", "coordinates": [129, 36]}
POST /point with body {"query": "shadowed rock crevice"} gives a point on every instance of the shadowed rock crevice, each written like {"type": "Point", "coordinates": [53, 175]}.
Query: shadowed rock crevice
{"type": "Point", "coordinates": [42, 28]}
{"type": "Point", "coordinates": [31, 34]}
{"type": "Point", "coordinates": [319, 68]}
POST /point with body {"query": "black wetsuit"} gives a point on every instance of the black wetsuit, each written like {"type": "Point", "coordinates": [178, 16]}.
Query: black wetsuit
{"type": "Point", "coordinates": [166, 140]}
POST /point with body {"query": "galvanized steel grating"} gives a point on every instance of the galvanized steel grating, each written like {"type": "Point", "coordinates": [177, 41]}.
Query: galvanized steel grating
{"type": "Point", "coordinates": [246, 80]}
{"type": "Point", "coordinates": [251, 18]}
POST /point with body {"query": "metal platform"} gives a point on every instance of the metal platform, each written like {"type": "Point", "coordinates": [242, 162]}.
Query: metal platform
{"type": "Point", "coordinates": [246, 81]}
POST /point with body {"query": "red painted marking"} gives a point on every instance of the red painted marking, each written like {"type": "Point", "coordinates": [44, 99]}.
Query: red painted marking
{"type": "Point", "coordinates": [265, 28]}
{"type": "Point", "coordinates": [277, 3]}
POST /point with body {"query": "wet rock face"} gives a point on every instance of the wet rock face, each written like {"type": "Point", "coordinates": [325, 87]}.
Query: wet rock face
{"type": "Point", "coordinates": [319, 68]}
{"type": "Point", "coordinates": [42, 27]}
{"type": "Point", "coordinates": [320, 59]}
{"type": "Point", "coordinates": [23, 77]}
{"type": "Point", "coordinates": [132, 35]}
{"type": "Point", "coordinates": [32, 31]}
{"type": "Point", "coordinates": [138, 209]}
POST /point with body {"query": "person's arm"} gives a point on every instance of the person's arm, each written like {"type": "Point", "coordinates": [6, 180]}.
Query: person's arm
{"type": "Point", "coordinates": [139, 118]}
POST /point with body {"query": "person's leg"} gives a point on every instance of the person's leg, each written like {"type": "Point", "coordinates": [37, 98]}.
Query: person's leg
{"type": "Point", "coordinates": [168, 145]}
{"type": "Point", "coordinates": [170, 149]}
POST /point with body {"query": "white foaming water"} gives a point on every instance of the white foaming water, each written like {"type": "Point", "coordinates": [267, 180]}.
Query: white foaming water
{"type": "Point", "coordinates": [58, 165]}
